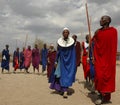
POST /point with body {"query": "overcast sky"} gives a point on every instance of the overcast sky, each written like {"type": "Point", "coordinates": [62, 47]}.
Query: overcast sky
{"type": "Point", "coordinates": [45, 19]}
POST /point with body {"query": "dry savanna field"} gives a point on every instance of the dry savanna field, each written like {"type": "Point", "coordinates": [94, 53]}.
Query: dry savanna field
{"type": "Point", "coordinates": [33, 89]}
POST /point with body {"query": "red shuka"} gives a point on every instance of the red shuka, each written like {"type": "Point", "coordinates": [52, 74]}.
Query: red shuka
{"type": "Point", "coordinates": [105, 50]}
{"type": "Point", "coordinates": [78, 53]}
{"type": "Point", "coordinates": [85, 64]}
{"type": "Point", "coordinates": [16, 66]}
{"type": "Point", "coordinates": [51, 60]}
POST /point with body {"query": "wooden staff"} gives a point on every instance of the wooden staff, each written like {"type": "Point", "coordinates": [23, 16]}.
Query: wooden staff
{"type": "Point", "coordinates": [88, 22]}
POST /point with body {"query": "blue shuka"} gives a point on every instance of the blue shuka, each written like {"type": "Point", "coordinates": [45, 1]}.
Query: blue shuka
{"type": "Point", "coordinates": [67, 65]}
{"type": "Point", "coordinates": [5, 59]}
{"type": "Point", "coordinates": [44, 53]}
{"type": "Point", "coordinates": [64, 74]}
{"type": "Point", "coordinates": [92, 70]}
{"type": "Point", "coordinates": [22, 60]}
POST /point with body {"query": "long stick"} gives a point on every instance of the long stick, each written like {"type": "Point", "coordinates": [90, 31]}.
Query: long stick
{"type": "Point", "coordinates": [88, 21]}
{"type": "Point", "coordinates": [89, 28]}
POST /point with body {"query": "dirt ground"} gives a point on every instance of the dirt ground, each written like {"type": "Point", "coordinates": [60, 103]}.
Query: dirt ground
{"type": "Point", "coordinates": [33, 89]}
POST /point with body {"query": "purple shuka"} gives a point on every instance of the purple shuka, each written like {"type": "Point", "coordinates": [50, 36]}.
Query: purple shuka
{"type": "Point", "coordinates": [35, 58]}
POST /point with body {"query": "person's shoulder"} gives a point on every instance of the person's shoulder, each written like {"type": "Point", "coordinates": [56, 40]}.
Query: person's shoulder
{"type": "Point", "coordinates": [96, 32]}
{"type": "Point", "coordinates": [3, 50]}
{"type": "Point", "coordinates": [33, 49]}
{"type": "Point", "coordinates": [78, 41]}
{"type": "Point", "coordinates": [113, 28]}
{"type": "Point", "coordinates": [114, 31]}
{"type": "Point", "coordinates": [83, 44]}
{"type": "Point", "coordinates": [60, 39]}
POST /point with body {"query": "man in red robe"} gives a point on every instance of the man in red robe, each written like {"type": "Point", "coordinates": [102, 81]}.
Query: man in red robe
{"type": "Point", "coordinates": [16, 60]}
{"type": "Point", "coordinates": [105, 50]}
{"type": "Point", "coordinates": [51, 57]}
{"type": "Point", "coordinates": [78, 50]}
{"type": "Point", "coordinates": [85, 63]}
{"type": "Point", "coordinates": [28, 58]}
{"type": "Point", "coordinates": [35, 58]}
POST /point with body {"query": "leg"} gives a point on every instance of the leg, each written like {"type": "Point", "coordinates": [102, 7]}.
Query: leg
{"type": "Point", "coordinates": [99, 99]}
{"type": "Point", "coordinates": [14, 71]}
{"type": "Point", "coordinates": [43, 69]}
{"type": "Point", "coordinates": [8, 70]}
{"type": "Point", "coordinates": [26, 70]}
{"type": "Point", "coordinates": [64, 90]}
{"type": "Point", "coordinates": [103, 98]}
{"type": "Point", "coordinates": [92, 86]}
{"type": "Point", "coordinates": [2, 70]}
{"type": "Point", "coordinates": [65, 95]}
{"type": "Point", "coordinates": [106, 97]}
{"type": "Point", "coordinates": [34, 70]}
{"type": "Point", "coordinates": [38, 70]}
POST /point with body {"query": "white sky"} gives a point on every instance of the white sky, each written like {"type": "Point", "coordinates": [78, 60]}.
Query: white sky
{"type": "Point", "coordinates": [45, 19]}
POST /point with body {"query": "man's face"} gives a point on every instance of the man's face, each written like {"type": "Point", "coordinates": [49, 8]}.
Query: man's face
{"type": "Point", "coordinates": [35, 45]}
{"type": "Point", "coordinates": [7, 46]}
{"type": "Point", "coordinates": [65, 34]}
{"type": "Point", "coordinates": [17, 49]}
{"type": "Point", "coordinates": [51, 47]}
{"type": "Point", "coordinates": [74, 37]}
{"type": "Point", "coordinates": [23, 48]}
{"type": "Point", "coordinates": [44, 45]}
{"type": "Point", "coordinates": [29, 47]}
{"type": "Point", "coordinates": [87, 38]}
{"type": "Point", "coordinates": [104, 20]}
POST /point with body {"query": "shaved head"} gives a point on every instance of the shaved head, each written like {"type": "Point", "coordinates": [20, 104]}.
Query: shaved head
{"type": "Point", "coordinates": [105, 20]}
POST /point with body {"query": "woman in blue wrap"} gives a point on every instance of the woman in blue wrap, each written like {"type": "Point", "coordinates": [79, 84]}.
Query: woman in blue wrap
{"type": "Point", "coordinates": [65, 64]}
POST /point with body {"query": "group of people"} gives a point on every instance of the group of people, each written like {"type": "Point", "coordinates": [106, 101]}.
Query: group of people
{"type": "Point", "coordinates": [98, 58]}
{"type": "Point", "coordinates": [22, 60]}
{"type": "Point", "coordinates": [97, 55]}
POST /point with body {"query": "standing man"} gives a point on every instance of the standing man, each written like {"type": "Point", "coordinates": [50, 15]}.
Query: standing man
{"type": "Point", "coordinates": [51, 60]}
{"type": "Point", "coordinates": [66, 64]}
{"type": "Point", "coordinates": [16, 59]}
{"type": "Point", "coordinates": [35, 58]}
{"type": "Point", "coordinates": [28, 58]}
{"type": "Point", "coordinates": [105, 50]}
{"type": "Point", "coordinates": [44, 53]}
{"type": "Point", "coordinates": [77, 51]}
{"type": "Point", "coordinates": [22, 59]}
{"type": "Point", "coordinates": [85, 56]}
{"type": "Point", "coordinates": [5, 59]}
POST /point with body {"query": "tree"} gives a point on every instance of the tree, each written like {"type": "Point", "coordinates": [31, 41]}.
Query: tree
{"type": "Point", "coordinates": [39, 42]}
